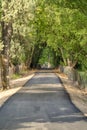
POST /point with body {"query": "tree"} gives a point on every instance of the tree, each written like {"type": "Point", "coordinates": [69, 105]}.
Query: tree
{"type": "Point", "coordinates": [11, 13]}
{"type": "Point", "coordinates": [29, 26]}
{"type": "Point", "coordinates": [64, 26]}
{"type": "Point", "coordinates": [7, 30]}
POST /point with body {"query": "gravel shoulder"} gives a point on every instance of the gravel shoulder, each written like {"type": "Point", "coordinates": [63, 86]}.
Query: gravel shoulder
{"type": "Point", "coordinates": [78, 97]}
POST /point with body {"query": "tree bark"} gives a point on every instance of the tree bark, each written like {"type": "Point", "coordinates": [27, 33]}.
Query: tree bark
{"type": "Point", "coordinates": [71, 63]}
{"type": "Point", "coordinates": [29, 58]}
{"type": "Point", "coordinates": [6, 38]}
{"type": "Point", "coordinates": [62, 54]}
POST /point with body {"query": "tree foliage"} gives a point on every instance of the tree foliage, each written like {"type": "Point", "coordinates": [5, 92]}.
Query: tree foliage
{"type": "Point", "coordinates": [32, 25]}
{"type": "Point", "coordinates": [63, 26]}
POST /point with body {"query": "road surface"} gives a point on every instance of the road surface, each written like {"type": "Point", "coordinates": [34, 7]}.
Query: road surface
{"type": "Point", "coordinates": [42, 104]}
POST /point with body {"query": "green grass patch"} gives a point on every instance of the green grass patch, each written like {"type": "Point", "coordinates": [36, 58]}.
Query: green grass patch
{"type": "Point", "coordinates": [16, 76]}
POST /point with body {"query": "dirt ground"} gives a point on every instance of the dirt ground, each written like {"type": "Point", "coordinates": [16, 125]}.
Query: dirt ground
{"type": "Point", "coordinates": [78, 97]}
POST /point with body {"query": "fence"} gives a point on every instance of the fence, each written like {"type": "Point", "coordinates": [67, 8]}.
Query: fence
{"type": "Point", "coordinates": [77, 77]}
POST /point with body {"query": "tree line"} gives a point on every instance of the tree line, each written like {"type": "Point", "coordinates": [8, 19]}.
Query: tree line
{"type": "Point", "coordinates": [29, 26]}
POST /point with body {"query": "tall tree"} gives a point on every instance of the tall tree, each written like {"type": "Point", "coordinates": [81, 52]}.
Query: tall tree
{"type": "Point", "coordinates": [7, 30]}
{"type": "Point", "coordinates": [12, 12]}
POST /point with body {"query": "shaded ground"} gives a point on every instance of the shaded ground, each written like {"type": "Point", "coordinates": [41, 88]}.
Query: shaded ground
{"type": "Point", "coordinates": [43, 104]}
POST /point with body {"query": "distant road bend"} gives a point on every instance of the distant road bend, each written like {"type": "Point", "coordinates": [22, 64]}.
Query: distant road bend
{"type": "Point", "coordinates": [42, 104]}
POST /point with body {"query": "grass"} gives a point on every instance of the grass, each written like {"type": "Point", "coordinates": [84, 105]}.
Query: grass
{"type": "Point", "coordinates": [16, 76]}
{"type": "Point", "coordinates": [21, 74]}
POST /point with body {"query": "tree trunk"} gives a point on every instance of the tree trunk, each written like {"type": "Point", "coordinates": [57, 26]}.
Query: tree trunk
{"type": "Point", "coordinates": [62, 54]}
{"type": "Point", "coordinates": [71, 63]}
{"type": "Point", "coordinates": [6, 38]}
{"type": "Point", "coordinates": [29, 60]}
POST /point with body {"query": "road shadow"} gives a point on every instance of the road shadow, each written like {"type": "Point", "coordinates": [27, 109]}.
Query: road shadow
{"type": "Point", "coordinates": [37, 79]}
{"type": "Point", "coordinates": [40, 102]}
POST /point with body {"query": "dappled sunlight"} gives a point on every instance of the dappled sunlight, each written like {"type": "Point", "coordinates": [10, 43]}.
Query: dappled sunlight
{"type": "Point", "coordinates": [42, 88]}
{"type": "Point", "coordinates": [49, 36]}
{"type": "Point", "coordinates": [23, 79]}
{"type": "Point", "coordinates": [41, 105]}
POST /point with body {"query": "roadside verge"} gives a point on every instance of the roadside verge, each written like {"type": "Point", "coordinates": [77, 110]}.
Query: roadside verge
{"type": "Point", "coordinates": [16, 86]}
{"type": "Point", "coordinates": [77, 96]}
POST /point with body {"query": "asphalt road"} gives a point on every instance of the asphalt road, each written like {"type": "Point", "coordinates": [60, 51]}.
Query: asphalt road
{"type": "Point", "coordinates": [42, 104]}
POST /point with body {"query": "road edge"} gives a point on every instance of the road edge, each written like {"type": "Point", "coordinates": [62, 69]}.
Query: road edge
{"type": "Point", "coordinates": [7, 94]}
{"type": "Point", "coordinates": [70, 96]}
